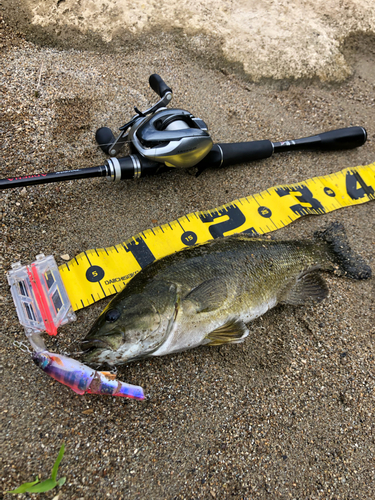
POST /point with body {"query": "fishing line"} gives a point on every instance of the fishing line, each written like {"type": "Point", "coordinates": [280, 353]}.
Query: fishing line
{"type": "Point", "coordinates": [22, 346]}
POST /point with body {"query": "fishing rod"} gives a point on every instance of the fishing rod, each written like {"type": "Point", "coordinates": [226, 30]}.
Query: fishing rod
{"type": "Point", "coordinates": [162, 139]}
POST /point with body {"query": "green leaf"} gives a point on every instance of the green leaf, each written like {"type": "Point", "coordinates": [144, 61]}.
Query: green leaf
{"type": "Point", "coordinates": [57, 463]}
{"type": "Point", "coordinates": [24, 488]}
{"type": "Point", "coordinates": [48, 484]}
{"type": "Point", "coordinates": [61, 481]}
{"type": "Point", "coordinates": [44, 486]}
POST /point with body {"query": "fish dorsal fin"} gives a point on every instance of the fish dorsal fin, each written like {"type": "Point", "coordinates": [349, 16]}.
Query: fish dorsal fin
{"type": "Point", "coordinates": [310, 286]}
{"type": "Point", "coordinates": [233, 331]}
{"type": "Point", "coordinates": [209, 295]}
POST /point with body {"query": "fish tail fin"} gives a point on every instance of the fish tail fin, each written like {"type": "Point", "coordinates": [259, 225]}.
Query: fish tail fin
{"type": "Point", "coordinates": [347, 262]}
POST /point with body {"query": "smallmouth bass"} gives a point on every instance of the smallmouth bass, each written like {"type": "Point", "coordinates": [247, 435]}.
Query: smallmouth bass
{"type": "Point", "coordinates": [206, 294]}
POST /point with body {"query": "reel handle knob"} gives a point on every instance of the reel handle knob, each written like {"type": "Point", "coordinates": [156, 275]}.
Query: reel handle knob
{"type": "Point", "coordinates": [105, 138]}
{"type": "Point", "coordinates": [158, 85]}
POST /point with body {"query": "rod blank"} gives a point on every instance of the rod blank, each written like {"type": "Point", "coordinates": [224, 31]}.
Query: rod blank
{"type": "Point", "coordinates": [67, 175]}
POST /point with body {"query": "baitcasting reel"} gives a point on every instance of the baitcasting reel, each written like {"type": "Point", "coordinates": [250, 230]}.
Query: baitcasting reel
{"type": "Point", "coordinates": [173, 137]}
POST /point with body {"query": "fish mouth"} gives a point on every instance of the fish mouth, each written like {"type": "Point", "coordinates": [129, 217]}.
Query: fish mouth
{"type": "Point", "coordinates": [89, 346]}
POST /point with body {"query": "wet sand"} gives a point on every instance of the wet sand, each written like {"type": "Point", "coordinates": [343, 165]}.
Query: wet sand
{"type": "Point", "coordinates": [288, 413]}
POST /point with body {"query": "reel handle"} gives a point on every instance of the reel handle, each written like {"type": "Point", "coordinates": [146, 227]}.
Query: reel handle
{"type": "Point", "coordinates": [158, 85]}
{"type": "Point", "coordinates": [104, 136]}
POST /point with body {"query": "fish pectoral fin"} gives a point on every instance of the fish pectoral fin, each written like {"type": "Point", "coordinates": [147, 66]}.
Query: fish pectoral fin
{"type": "Point", "coordinates": [209, 295]}
{"type": "Point", "coordinates": [310, 286]}
{"type": "Point", "coordinates": [232, 332]}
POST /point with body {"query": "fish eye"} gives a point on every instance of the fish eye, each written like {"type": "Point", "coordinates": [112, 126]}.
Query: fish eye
{"type": "Point", "coordinates": [112, 315]}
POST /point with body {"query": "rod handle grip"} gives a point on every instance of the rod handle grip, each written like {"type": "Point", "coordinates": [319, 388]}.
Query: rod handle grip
{"type": "Point", "coordinates": [243, 152]}
{"type": "Point", "coordinates": [344, 138]}
{"type": "Point", "coordinates": [223, 155]}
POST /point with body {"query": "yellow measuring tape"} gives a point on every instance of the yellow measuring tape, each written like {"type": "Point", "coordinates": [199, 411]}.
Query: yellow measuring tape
{"type": "Point", "coordinates": [101, 272]}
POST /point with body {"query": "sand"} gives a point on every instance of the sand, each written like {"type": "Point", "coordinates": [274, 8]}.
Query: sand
{"type": "Point", "coordinates": [288, 413]}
